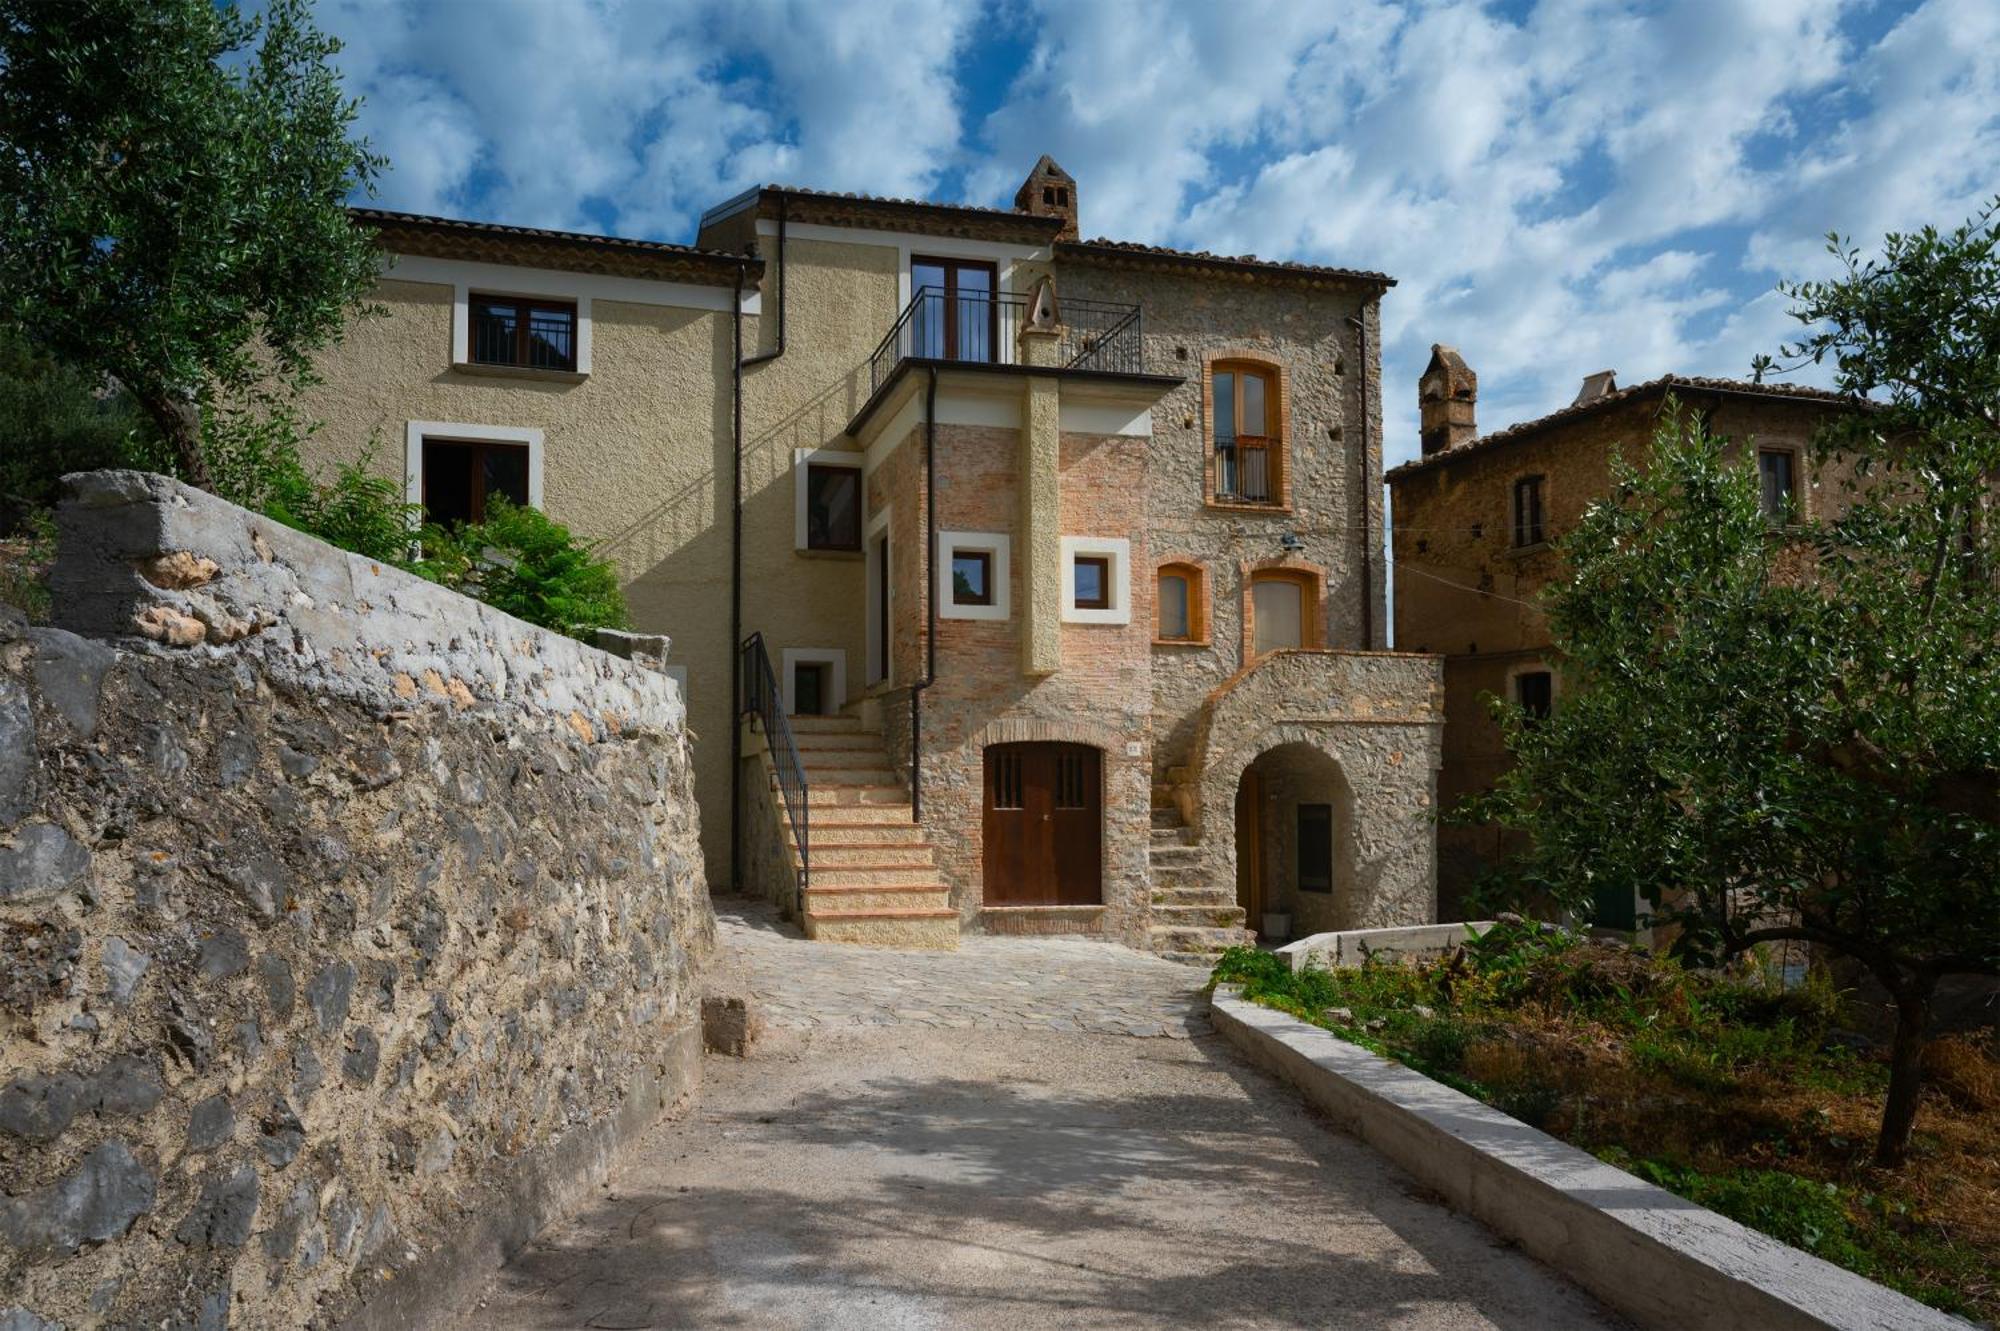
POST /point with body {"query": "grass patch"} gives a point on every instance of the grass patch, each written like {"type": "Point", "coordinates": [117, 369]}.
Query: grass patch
{"type": "Point", "coordinates": [1725, 1088]}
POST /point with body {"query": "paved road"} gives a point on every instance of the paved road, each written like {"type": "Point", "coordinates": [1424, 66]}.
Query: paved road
{"type": "Point", "coordinates": [977, 1163]}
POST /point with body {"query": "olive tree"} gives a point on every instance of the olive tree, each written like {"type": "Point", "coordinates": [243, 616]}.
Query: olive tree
{"type": "Point", "coordinates": [173, 178]}
{"type": "Point", "coordinates": [1792, 731]}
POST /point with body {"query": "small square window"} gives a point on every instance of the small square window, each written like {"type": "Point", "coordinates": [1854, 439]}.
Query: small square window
{"type": "Point", "coordinates": [972, 577]}
{"type": "Point", "coordinates": [1093, 582]}
{"type": "Point", "coordinates": [1534, 691]}
{"type": "Point", "coordinates": [833, 507]}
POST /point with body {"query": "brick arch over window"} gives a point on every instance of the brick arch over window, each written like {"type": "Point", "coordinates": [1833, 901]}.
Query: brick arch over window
{"type": "Point", "coordinates": [1198, 618]}
{"type": "Point", "coordinates": [1254, 471]}
{"type": "Point", "coordinates": [1018, 731]}
{"type": "Point", "coordinates": [1311, 581]}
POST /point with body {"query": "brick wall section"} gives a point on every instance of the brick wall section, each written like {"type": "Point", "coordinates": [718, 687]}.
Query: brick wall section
{"type": "Point", "coordinates": [1332, 484]}
{"type": "Point", "coordinates": [1454, 521]}
{"type": "Point", "coordinates": [346, 927]}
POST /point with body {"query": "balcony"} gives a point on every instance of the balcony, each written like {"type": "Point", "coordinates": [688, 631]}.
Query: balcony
{"type": "Point", "coordinates": [979, 328]}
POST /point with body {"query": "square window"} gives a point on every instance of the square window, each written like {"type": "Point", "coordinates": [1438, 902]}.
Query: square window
{"type": "Point", "coordinates": [518, 331]}
{"type": "Point", "coordinates": [833, 507]}
{"type": "Point", "coordinates": [972, 577]}
{"type": "Point", "coordinates": [1534, 691]}
{"type": "Point", "coordinates": [460, 477]}
{"type": "Point", "coordinates": [1093, 582]}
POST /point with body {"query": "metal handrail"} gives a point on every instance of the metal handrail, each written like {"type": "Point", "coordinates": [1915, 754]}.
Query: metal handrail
{"type": "Point", "coordinates": [762, 699]}
{"type": "Point", "coordinates": [982, 327]}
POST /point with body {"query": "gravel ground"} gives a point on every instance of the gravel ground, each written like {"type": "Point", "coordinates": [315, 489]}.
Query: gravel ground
{"type": "Point", "coordinates": [901, 1176]}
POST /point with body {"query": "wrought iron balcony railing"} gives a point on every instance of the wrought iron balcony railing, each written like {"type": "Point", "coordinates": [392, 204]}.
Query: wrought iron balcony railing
{"type": "Point", "coordinates": [978, 327]}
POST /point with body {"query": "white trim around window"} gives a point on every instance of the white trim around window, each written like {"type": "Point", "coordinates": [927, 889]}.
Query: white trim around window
{"type": "Point", "coordinates": [818, 457]}
{"type": "Point", "coordinates": [834, 658]}
{"type": "Point", "coordinates": [1118, 551]}
{"type": "Point", "coordinates": [457, 432]}
{"type": "Point", "coordinates": [996, 544]}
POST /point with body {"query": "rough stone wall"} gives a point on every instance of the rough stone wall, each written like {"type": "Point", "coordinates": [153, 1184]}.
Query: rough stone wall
{"type": "Point", "coordinates": [1464, 590]}
{"type": "Point", "coordinates": [1378, 717]}
{"type": "Point", "coordinates": [346, 926]}
{"type": "Point", "coordinates": [1334, 397]}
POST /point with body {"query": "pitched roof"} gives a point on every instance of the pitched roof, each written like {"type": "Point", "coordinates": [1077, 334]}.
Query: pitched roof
{"type": "Point", "coordinates": [892, 214]}
{"type": "Point", "coordinates": [1129, 253]}
{"type": "Point", "coordinates": [576, 251]}
{"type": "Point", "coordinates": [1652, 387]}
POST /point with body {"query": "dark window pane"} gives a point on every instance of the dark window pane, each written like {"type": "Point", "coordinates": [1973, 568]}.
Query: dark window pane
{"type": "Point", "coordinates": [450, 484]}
{"type": "Point", "coordinates": [552, 339]}
{"type": "Point", "coordinates": [833, 508]}
{"type": "Point", "coordinates": [1774, 470]}
{"type": "Point", "coordinates": [495, 331]}
{"type": "Point", "coordinates": [1535, 692]}
{"type": "Point", "coordinates": [808, 690]}
{"type": "Point", "coordinates": [506, 473]}
{"type": "Point", "coordinates": [1528, 511]}
{"type": "Point", "coordinates": [1093, 583]}
{"type": "Point", "coordinates": [1315, 848]}
{"type": "Point", "coordinates": [971, 578]}
{"type": "Point", "coordinates": [1225, 408]}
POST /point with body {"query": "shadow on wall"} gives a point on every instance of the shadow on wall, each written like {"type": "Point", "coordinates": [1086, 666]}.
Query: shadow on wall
{"type": "Point", "coordinates": [1021, 1203]}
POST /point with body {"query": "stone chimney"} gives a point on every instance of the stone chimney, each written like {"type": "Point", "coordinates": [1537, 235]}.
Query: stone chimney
{"type": "Point", "coordinates": [1595, 386]}
{"type": "Point", "coordinates": [1447, 393]}
{"type": "Point", "coordinates": [1049, 192]}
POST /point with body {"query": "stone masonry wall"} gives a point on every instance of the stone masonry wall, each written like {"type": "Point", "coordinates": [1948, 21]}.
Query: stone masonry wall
{"type": "Point", "coordinates": [346, 925]}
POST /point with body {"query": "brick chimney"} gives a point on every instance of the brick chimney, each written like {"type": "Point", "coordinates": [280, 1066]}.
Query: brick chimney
{"type": "Point", "coordinates": [1049, 192]}
{"type": "Point", "coordinates": [1447, 392]}
{"type": "Point", "coordinates": [1602, 384]}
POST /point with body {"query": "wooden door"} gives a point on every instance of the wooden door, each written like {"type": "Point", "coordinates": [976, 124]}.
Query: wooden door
{"type": "Point", "coordinates": [1250, 849]}
{"type": "Point", "coordinates": [1044, 825]}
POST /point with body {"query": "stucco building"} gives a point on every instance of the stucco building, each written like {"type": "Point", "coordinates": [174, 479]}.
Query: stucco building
{"type": "Point", "coordinates": [1017, 582]}
{"type": "Point", "coordinates": [1475, 518]}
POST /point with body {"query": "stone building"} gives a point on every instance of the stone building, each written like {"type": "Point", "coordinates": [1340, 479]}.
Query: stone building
{"type": "Point", "coordinates": [1017, 582]}
{"type": "Point", "coordinates": [1475, 520]}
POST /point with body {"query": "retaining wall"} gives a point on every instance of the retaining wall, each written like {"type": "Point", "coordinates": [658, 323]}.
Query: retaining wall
{"type": "Point", "coordinates": [346, 926]}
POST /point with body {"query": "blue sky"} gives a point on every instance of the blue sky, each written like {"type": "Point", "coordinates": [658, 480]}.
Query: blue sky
{"type": "Point", "coordinates": [1560, 187]}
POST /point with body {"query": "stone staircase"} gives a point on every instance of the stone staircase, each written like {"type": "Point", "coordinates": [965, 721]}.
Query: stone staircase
{"type": "Point", "coordinates": [874, 872]}
{"type": "Point", "coordinates": [1194, 917]}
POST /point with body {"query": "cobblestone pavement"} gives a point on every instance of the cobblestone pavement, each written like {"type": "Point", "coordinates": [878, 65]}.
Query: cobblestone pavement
{"type": "Point", "coordinates": [970, 1141]}
{"type": "Point", "coordinates": [1018, 984]}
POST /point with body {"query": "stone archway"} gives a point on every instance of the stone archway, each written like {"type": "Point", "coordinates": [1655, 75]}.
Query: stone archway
{"type": "Point", "coordinates": [1293, 832]}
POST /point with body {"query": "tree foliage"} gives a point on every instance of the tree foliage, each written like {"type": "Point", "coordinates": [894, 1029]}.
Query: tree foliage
{"type": "Point", "coordinates": [172, 200]}
{"type": "Point", "coordinates": [1793, 733]}
{"type": "Point", "coordinates": [56, 419]}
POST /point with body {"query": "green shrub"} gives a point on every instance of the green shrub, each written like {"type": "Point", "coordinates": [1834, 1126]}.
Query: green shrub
{"type": "Point", "coordinates": [1441, 1044]}
{"type": "Point", "coordinates": [55, 419]}
{"type": "Point", "coordinates": [24, 566]}
{"type": "Point", "coordinates": [523, 562]}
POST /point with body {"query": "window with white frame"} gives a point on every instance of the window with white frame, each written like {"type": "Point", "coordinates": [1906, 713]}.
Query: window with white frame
{"type": "Point", "coordinates": [972, 575]}
{"type": "Point", "coordinates": [826, 500]}
{"type": "Point", "coordinates": [455, 470]}
{"type": "Point", "coordinates": [1097, 580]}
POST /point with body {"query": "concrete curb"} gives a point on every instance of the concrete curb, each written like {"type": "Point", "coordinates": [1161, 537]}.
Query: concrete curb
{"type": "Point", "coordinates": [1659, 1259]}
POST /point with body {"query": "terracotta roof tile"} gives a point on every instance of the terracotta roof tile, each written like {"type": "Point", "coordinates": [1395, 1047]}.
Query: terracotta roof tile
{"type": "Point", "coordinates": [1660, 386]}
{"type": "Point", "coordinates": [1105, 248]}
{"type": "Point", "coordinates": [626, 254]}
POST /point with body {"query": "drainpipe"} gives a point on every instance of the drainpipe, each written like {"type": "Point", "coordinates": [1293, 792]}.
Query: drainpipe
{"type": "Point", "coordinates": [1367, 479]}
{"type": "Point", "coordinates": [738, 365]}
{"type": "Point", "coordinates": [930, 602]}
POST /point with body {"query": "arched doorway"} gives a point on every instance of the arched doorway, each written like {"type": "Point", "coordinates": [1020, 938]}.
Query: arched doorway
{"type": "Point", "coordinates": [1294, 821]}
{"type": "Point", "coordinates": [1044, 825]}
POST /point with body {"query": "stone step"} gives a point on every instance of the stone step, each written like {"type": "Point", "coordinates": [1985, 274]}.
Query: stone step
{"type": "Point", "coordinates": [1203, 960]}
{"type": "Point", "coordinates": [874, 817]}
{"type": "Point", "coordinates": [1208, 938]}
{"type": "Point", "coordinates": [829, 725]}
{"type": "Point", "coordinates": [1169, 837]}
{"type": "Point", "coordinates": [837, 741]}
{"type": "Point", "coordinates": [1174, 855]}
{"type": "Point", "coordinates": [933, 928]}
{"type": "Point", "coordinates": [855, 774]}
{"type": "Point", "coordinates": [1165, 819]}
{"type": "Point", "coordinates": [914, 853]}
{"type": "Point", "coordinates": [835, 900]}
{"type": "Point", "coordinates": [826, 832]}
{"type": "Point", "coordinates": [1186, 875]}
{"type": "Point", "coordinates": [1197, 917]}
{"type": "Point", "coordinates": [873, 795]}
{"type": "Point", "coordinates": [1194, 896]}
{"type": "Point", "coordinates": [873, 875]}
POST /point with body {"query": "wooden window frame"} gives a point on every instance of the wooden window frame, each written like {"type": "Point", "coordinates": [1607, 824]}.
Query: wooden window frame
{"type": "Point", "coordinates": [1103, 564]}
{"type": "Point", "coordinates": [1535, 524]}
{"type": "Point", "coordinates": [812, 469]}
{"type": "Point", "coordinates": [1276, 442]}
{"type": "Point", "coordinates": [1795, 508]}
{"type": "Point", "coordinates": [1312, 628]}
{"type": "Point", "coordinates": [985, 561]}
{"type": "Point", "coordinates": [1198, 617]}
{"type": "Point", "coordinates": [529, 307]}
{"type": "Point", "coordinates": [479, 449]}
{"type": "Point", "coordinates": [952, 267]}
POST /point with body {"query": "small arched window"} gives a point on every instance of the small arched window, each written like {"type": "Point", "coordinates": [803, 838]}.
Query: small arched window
{"type": "Point", "coordinates": [1180, 604]}
{"type": "Point", "coordinates": [1246, 427]}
